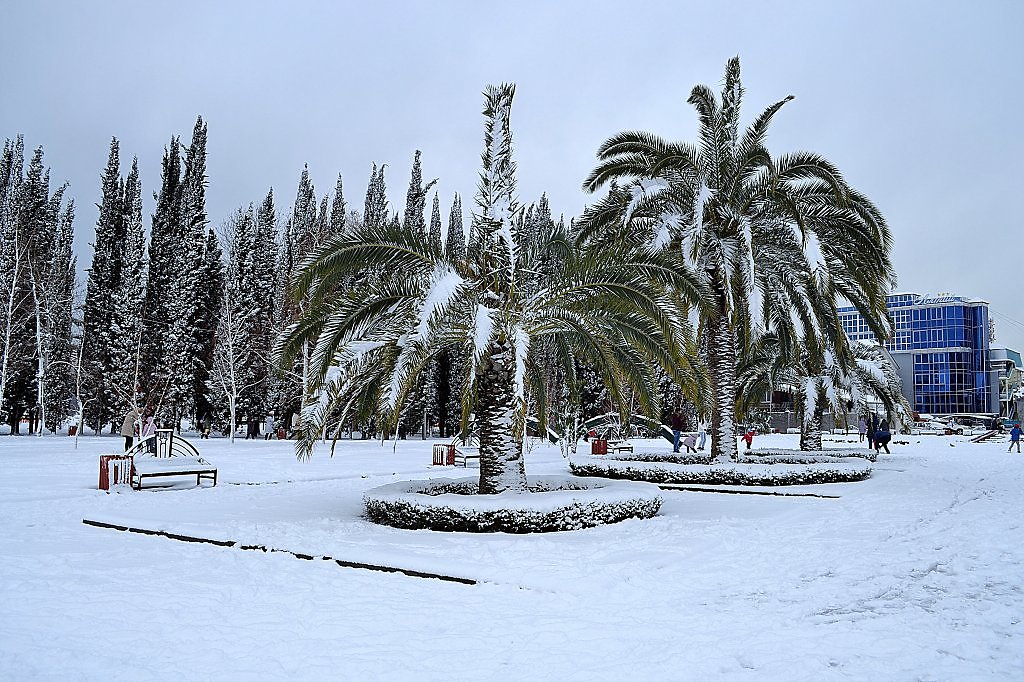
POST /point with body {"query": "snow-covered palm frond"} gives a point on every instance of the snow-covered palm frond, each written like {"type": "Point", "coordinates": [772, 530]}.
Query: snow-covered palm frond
{"type": "Point", "coordinates": [875, 375]}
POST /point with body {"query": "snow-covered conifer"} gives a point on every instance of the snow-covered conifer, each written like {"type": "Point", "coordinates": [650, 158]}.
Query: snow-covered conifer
{"type": "Point", "coordinates": [97, 315]}
{"type": "Point", "coordinates": [338, 208]}
{"type": "Point", "coordinates": [161, 275]}
{"type": "Point", "coordinates": [435, 224]}
{"type": "Point", "coordinates": [375, 211]}
{"type": "Point", "coordinates": [189, 299]}
{"type": "Point", "coordinates": [455, 241]}
{"type": "Point", "coordinates": [126, 299]}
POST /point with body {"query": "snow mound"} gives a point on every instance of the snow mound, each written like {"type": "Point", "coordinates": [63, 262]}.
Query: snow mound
{"type": "Point", "coordinates": [554, 503]}
{"type": "Point", "coordinates": [788, 469]}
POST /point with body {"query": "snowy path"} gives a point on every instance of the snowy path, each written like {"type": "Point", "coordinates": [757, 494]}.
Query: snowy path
{"type": "Point", "coordinates": [915, 573]}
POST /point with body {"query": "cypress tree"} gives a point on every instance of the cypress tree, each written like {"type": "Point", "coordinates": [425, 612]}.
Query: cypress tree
{"type": "Point", "coordinates": [127, 297]}
{"type": "Point", "coordinates": [264, 280]}
{"type": "Point", "coordinates": [12, 261]}
{"type": "Point", "coordinates": [338, 209]}
{"type": "Point", "coordinates": [435, 224]}
{"type": "Point", "coordinates": [452, 364]}
{"type": "Point", "coordinates": [100, 391]}
{"type": "Point", "coordinates": [416, 197]}
{"type": "Point", "coordinates": [455, 242]}
{"type": "Point", "coordinates": [188, 301]}
{"type": "Point", "coordinates": [160, 279]}
{"type": "Point", "coordinates": [375, 213]}
{"type": "Point", "coordinates": [61, 283]}
{"type": "Point", "coordinates": [300, 237]}
{"type": "Point", "coordinates": [208, 309]}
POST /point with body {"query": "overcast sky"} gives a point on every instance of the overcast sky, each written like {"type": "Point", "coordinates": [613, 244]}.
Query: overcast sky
{"type": "Point", "coordinates": [918, 103]}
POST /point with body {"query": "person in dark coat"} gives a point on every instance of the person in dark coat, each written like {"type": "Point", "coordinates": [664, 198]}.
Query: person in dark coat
{"type": "Point", "coordinates": [882, 437]}
{"type": "Point", "coordinates": [677, 428]}
{"type": "Point", "coordinates": [872, 427]}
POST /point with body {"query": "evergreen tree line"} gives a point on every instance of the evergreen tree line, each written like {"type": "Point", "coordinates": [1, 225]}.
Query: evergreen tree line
{"type": "Point", "coordinates": [184, 327]}
{"type": "Point", "coordinates": [37, 281]}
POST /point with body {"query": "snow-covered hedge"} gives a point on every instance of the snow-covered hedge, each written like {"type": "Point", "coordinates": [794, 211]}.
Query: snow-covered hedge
{"type": "Point", "coordinates": [777, 454]}
{"type": "Point", "coordinates": [672, 457]}
{"type": "Point", "coordinates": [767, 456]}
{"type": "Point", "coordinates": [553, 503]}
{"type": "Point", "coordinates": [803, 471]}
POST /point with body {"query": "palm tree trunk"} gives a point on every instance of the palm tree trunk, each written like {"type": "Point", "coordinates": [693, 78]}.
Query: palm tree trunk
{"type": "Point", "coordinates": [722, 370]}
{"type": "Point", "coordinates": [810, 434]}
{"type": "Point", "coordinates": [500, 422]}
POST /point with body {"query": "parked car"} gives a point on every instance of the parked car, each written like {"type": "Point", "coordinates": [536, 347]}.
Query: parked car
{"type": "Point", "coordinates": [932, 427]}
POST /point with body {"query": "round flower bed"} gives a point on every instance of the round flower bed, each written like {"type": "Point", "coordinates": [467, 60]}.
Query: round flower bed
{"type": "Point", "coordinates": [777, 468]}
{"type": "Point", "coordinates": [553, 503]}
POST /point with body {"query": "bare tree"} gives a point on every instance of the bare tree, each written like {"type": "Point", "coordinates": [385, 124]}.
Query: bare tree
{"type": "Point", "coordinates": [15, 257]}
{"type": "Point", "coordinates": [231, 354]}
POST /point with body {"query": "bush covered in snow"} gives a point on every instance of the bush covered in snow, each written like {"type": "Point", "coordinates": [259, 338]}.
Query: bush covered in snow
{"type": "Point", "coordinates": [789, 469]}
{"type": "Point", "coordinates": [771, 456]}
{"type": "Point", "coordinates": [554, 503]}
{"type": "Point", "coordinates": [766, 453]}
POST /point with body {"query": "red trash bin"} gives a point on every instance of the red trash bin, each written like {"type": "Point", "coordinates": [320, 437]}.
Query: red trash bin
{"type": "Point", "coordinates": [599, 446]}
{"type": "Point", "coordinates": [115, 470]}
{"type": "Point", "coordinates": [443, 454]}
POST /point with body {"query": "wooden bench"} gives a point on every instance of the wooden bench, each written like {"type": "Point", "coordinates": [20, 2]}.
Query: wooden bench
{"type": "Point", "coordinates": [615, 446]}
{"type": "Point", "coordinates": [162, 455]}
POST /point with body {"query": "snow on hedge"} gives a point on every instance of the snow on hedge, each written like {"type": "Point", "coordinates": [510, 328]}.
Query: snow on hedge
{"type": "Point", "coordinates": [804, 470]}
{"type": "Point", "coordinates": [862, 453]}
{"type": "Point", "coordinates": [554, 503]}
{"type": "Point", "coordinates": [768, 456]}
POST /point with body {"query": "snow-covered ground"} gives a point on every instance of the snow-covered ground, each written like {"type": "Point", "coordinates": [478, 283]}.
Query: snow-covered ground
{"type": "Point", "coordinates": [915, 573]}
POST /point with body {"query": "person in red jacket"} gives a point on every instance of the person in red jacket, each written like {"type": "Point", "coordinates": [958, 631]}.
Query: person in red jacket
{"type": "Point", "coordinates": [748, 437]}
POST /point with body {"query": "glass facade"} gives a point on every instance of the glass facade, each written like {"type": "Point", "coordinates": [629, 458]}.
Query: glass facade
{"type": "Point", "coordinates": [947, 337]}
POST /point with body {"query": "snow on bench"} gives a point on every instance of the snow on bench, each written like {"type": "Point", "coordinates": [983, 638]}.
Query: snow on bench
{"type": "Point", "coordinates": [615, 446]}
{"type": "Point", "coordinates": [163, 455]}
{"type": "Point", "coordinates": [456, 452]}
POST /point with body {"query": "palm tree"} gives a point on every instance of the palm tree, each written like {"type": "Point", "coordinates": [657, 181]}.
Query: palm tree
{"type": "Point", "coordinates": [611, 307]}
{"type": "Point", "coordinates": [766, 235]}
{"type": "Point", "coordinates": [823, 379]}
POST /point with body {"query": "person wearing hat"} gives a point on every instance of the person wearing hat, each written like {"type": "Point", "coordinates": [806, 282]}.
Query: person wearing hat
{"type": "Point", "coordinates": [1015, 438]}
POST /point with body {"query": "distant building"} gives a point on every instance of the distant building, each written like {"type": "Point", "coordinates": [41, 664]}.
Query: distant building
{"type": "Point", "coordinates": [1008, 384]}
{"type": "Point", "coordinates": [940, 344]}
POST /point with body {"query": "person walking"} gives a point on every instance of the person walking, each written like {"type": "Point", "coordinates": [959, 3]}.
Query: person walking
{"type": "Point", "coordinates": [872, 427]}
{"type": "Point", "coordinates": [702, 429]}
{"type": "Point", "coordinates": [268, 427]}
{"type": "Point", "coordinates": [862, 428]}
{"type": "Point", "coordinates": [677, 428]}
{"type": "Point", "coordinates": [128, 427]}
{"type": "Point", "coordinates": [748, 437]}
{"type": "Point", "coordinates": [882, 437]}
{"type": "Point", "coordinates": [1015, 438]}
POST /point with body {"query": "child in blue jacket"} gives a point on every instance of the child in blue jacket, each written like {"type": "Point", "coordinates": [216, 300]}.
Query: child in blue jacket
{"type": "Point", "coordinates": [1015, 437]}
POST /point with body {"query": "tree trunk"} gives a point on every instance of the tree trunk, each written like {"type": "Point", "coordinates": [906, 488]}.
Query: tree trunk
{"type": "Point", "coordinates": [722, 370]}
{"type": "Point", "coordinates": [499, 419]}
{"type": "Point", "coordinates": [810, 432]}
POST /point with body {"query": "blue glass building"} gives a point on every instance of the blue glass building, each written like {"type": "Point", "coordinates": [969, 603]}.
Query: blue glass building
{"type": "Point", "coordinates": [941, 346]}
